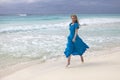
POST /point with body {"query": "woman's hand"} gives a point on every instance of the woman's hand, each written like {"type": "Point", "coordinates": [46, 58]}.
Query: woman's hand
{"type": "Point", "coordinates": [73, 40]}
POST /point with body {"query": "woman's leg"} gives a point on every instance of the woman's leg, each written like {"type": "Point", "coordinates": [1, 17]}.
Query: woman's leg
{"type": "Point", "coordinates": [68, 61]}
{"type": "Point", "coordinates": [82, 59]}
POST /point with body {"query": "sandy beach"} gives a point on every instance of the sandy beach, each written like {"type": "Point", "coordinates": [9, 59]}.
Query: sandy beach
{"type": "Point", "coordinates": [103, 67]}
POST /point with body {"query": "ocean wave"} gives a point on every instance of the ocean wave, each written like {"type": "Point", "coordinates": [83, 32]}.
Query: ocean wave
{"type": "Point", "coordinates": [58, 25]}
{"type": "Point", "coordinates": [32, 45]}
{"type": "Point", "coordinates": [39, 46]}
{"type": "Point", "coordinates": [93, 21]}
{"type": "Point", "coordinates": [32, 27]}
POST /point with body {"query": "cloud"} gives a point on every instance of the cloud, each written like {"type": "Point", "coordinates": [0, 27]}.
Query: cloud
{"type": "Point", "coordinates": [19, 1]}
{"type": "Point", "coordinates": [59, 6]}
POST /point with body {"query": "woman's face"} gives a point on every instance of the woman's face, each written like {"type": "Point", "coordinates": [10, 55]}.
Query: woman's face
{"type": "Point", "coordinates": [73, 19]}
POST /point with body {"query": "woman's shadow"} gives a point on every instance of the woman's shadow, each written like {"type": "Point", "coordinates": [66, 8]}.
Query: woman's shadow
{"type": "Point", "coordinates": [91, 64]}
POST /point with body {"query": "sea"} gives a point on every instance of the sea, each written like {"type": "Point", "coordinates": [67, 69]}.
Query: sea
{"type": "Point", "coordinates": [29, 37]}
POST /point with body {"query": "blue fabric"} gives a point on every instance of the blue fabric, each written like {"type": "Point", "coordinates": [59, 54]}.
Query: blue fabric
{"type": "Point", "coordinates": [74, 48]}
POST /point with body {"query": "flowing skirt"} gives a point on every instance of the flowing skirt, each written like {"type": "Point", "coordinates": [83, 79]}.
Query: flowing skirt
{"type": "Point", "coordinates": [75, 48]}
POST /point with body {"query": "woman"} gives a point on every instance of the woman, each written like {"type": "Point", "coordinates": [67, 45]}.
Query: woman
{"type": "Point", "coordinates": [75, 45]}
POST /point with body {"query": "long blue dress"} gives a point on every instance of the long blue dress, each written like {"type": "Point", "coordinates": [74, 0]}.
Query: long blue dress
{"type": "Point", "coordinates": [75, 48]}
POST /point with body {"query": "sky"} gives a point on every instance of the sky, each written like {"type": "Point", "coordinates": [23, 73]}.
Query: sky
{"type": "Point", "coordinates": [59, 6]}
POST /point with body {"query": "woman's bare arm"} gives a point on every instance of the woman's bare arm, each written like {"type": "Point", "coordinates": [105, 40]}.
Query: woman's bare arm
{"type": "Point", "coordinates": [76, 32]}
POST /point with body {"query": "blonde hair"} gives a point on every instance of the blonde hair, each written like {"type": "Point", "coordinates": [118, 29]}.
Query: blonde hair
{"type": "Point", "coordinates": [74, 15]}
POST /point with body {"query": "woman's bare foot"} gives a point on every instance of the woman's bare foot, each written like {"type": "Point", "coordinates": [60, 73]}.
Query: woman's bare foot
{"type": "Point", "coordinates": [82, 60]}
{"type": "Point", "coordinates": [67, 64]}
{"type": "Point", "coordinates": [68, 61]}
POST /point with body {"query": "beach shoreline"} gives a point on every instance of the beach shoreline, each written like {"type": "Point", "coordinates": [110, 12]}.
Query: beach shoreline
{"type": "Point", "coordinates": [95, 67]}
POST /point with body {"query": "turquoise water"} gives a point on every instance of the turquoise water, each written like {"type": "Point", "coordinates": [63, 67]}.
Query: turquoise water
{"type": "Point", "coordinates": [44, 37]}
{"type": "Point", "coordinates": [51, 18]}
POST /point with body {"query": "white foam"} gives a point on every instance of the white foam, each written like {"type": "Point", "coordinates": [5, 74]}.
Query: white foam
{"type": "Point", "coordinates": [21, 27]}
{"type": "Point", "coordinates": [32, 46]}
{"type": "Point", "coordinates": [99, 20]}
